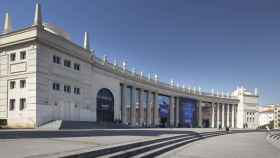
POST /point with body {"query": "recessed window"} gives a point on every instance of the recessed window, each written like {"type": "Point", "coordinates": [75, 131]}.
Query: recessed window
{"type": "Point", "coordinates": [67, 63]}
{"type": "Point", "coordinates": [77, 91]}
{"type": "Point", "coordinates": [13, 57]}
{"type": "Point", "coordinates": [56, 59]}
{"type": "Point", "coordinates": [56, 86]}
{"type": "Point", "coordinates": [22, 103]}
{"type": "Point", "coordinates": [12, 84]}
{"type": "Point", "coordinates": [22, 55]}
{"type": "Point", "coordinates": [77, 67]}
{"type": "Point", "coordinates": [12, 104]}
{"type": "Point", "coordinates": [22, 83]}
{"type": "Point", "coordinates": [67, 88]}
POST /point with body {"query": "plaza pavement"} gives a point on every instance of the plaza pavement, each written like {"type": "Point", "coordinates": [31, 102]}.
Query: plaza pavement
{"type": "Point", "coordinates": [52, 143]}
{"type": "Point", "coordinates": [242, 145]}
{"type": "Point", "coordinates": [56, 143]}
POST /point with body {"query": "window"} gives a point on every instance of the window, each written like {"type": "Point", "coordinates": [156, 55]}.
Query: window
{"type": "Point", "coordinates": [77, 91]}
{"type": "Point", "coordinates": [22, 55]}
{"type": "Point", "coordinates": [67, 88]}
{"type": "Point", "coordinates": [56, 59]}
{"type": "Point", "coordinates": [22, 103]}
{"type": "Point", "coordinates": [12, 104]}
{"type": "Point", "coordinates": [77, 67]}
{"type": "Point", "coordinates": [67, 63]}
{"type": "Point", "coordinates": [13, 57]}
{"type": "Point", "coordinates": [12, 84]}
{"type": "Point", "coordinates": [22, 83]}
{"type": "Point", "coordinates": [56, 86]}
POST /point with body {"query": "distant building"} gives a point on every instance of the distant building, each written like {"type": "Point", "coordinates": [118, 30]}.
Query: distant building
{"type": "Point", "coordinates": [277, 116]}
{"type": "Point", "coordinates": [265, 114]}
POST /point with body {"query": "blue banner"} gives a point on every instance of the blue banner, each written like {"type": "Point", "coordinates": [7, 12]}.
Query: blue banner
{"type": "Point", "coordinates": [188, 113]}
{"type": "Point", "coordinates": [163, 106]}
{"type": "Point", "coordinates": [188, 109]}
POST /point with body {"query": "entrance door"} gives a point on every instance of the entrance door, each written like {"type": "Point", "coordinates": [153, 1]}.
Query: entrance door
{"type": "Point", "coordinates": [105, 106]}
{"type": "Point", "coordinates": [206, 116]}
{"type": "Point", "coordinates": [206, 123]}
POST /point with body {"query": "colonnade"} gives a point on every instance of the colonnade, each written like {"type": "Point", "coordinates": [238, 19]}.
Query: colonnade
{"type": "Point", "coordinates": [133, 103]}
{"type": "Point", "coordinates": [223, 115]}
{"type": "Point", "coordinates": [140, 107]}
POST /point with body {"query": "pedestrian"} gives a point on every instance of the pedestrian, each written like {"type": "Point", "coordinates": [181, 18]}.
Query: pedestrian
{"type": "Point", "coordinates": [267, 130]}
{"type": "Point", "coordinates": [227, 129]}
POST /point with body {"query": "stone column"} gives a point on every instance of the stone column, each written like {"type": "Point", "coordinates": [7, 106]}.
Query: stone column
{"type": "Point", "coordinates": [156, 108]}
{"type": "Point", "coordinates": [133, 107]}
{"type": "Point", "coordinates": [124, 104]}
{"type": "Point", "coordinates": [228, 115]}
{"type": "Point", "coordinates": [171, 111]}
{"type": "Point", "coordinates": [149, 106]}
{"type": "Point", "coordinates": [199, 114]}
{"type": "Point", "coordinates": [233, 116]}
{"type": "Point", "coordinates": [177, 112]}
{"type": "Point", "coordinates": [223, 115]}
{"type": "Point", "coordinates": [218, 115]}
{"type": "Point", "coordinates": [213, 115]}
{"type": "Point", "coordinates": [142, 102]}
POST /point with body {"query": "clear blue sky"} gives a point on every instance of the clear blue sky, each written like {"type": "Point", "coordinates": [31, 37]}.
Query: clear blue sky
{"type": "Point", "coordinates": [217, 44]}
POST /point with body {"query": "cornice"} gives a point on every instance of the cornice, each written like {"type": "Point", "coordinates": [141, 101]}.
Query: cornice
{"type": "Point", "coordinates": [40, 35]}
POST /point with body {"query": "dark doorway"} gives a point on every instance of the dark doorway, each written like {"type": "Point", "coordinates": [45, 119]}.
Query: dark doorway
{"type": "Point", "coordinates": [205, 123]}
{"type": "Point", "coordinates": [105, 106]}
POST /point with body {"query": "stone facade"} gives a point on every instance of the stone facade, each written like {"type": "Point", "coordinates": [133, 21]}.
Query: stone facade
{"type": "Point", "coordinates": [247, 112]}
{"type": "Point", "coordinates": [63, 81]}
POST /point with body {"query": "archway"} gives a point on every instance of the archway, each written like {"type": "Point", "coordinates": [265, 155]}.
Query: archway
{"type": "Point", "coordinates": [105, 105]}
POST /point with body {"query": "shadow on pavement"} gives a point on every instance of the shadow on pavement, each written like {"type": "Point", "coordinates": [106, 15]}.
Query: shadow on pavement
{"type": "Point", "coordinates": [86, 133]}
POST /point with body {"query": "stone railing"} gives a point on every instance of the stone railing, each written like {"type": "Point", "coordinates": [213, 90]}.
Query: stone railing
{"type": "Point", "coordinates": [124, 71]}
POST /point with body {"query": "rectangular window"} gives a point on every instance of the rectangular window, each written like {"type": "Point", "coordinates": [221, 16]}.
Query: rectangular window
{"type": "Point", "coordinates": [77, 67]}
{"type": "Point", "coordinates": [56, 86]}
{"type": "Point", "coordinates": [56, 59]}
{"type": "Point", "coordinates": [22, 83]}
{"type": "Point", "coordinates": [22, 103]}
{"type": "Point", "coordinates": [67, 63]}
{"type": "Point", "coordinates": [12, 104]}
{"type": "Point", "coordinates": [67, 88]}
{"type": "Point", "coordinates": [22, 55]}
{"type": "Point", "coordinates": [77, 91]}
{"type": "Point", "coordinates": [12, 84]}
{"type": "Point", "coordinates": [13, 57]}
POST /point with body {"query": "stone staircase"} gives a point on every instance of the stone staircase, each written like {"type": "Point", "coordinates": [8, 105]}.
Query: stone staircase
{"type": "Point", "coordinates": [62, 124]}
{"type": "Point", "coordinates": [274, 139]}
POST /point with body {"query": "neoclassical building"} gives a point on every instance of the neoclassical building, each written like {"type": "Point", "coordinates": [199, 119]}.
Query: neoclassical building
{"type": "Point", "coordinates": [44, 77]}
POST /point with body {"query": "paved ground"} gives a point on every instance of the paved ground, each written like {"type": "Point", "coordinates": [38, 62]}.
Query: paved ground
{"type": "Point", "coordinates": [51, 143]}
{"type": "Point", "coordinates": [245, 145]}
{"type": "Point", "coordinates": [36, 143]}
